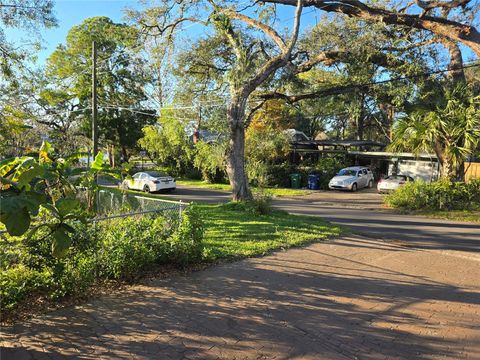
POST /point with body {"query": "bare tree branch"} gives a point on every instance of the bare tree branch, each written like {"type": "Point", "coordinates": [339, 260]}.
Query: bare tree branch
{"type": "Point", "coordinates": [453, 30]}
{"type": "Point", "coordinates": [252, 112]}
{"type": "Point", "coordinates": [259, 25]}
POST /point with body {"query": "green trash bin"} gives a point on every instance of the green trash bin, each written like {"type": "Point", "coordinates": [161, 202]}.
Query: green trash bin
{"type": "Point", "coordinates": [296, 181]}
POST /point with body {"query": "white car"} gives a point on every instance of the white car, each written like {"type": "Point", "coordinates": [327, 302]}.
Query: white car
{"type": "Point", "coordinates": [393, 182]}
{"type": "Point", "coordinates": [150, 181]}
{"type": "Point", "coordinates": [352, 178]}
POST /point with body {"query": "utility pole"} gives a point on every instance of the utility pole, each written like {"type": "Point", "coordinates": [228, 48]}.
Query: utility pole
{"type": "Point", "coordinates": [94, 100]}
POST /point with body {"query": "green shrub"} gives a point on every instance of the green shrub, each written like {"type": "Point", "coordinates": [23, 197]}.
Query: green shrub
{"type": "Point", "coordinates": [438, 195]}
{"type": "Point", "coordinates": [131, 245]}
{"type": "Point", "coordinates": [18, 282]}
{"type": "Point", "coordinates": [74, 275]}
{"type": "Point", "coordinates": [258, 173]}
{"type": "Point", "coordinates": [261, 204]}
{"type": "Point", "coordinates": [113, 249]}
{"type": "Point", "coordinates": [71, 274]}
{"type": "Point", "coordinates": [279, 174]}
{"type": "Point", "coordinates": [186, 242]}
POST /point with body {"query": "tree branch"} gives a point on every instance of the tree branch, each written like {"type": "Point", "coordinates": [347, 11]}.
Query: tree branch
{"type": "Point", "coordinates": [259, 25]}
{"type": "Point", "coordinates": [453, 30]}
{"type": "Point", "coordinates": [253, 111]}
{"type": "Point", "coordinates": [275, 63]}
{"type": "Point", "coordinates": [334, 56]}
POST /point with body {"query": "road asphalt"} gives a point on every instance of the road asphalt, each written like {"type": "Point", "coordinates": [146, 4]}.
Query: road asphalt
{"type": "Point", "coordinates": [363, 213]}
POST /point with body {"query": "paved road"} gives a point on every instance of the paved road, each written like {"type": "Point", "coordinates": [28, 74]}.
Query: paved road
{"type": "Point", "coordinates": [363, 213]}
{"type": "Point", "coordinates": [413, 293]}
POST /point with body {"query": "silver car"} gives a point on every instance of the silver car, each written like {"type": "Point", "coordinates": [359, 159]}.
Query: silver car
{"type": "Point", "coordinates": [352, 178]}
{"type": "Point", "coordinates": [393, 182]}
{"type": "Point", "coordinates": [150, 181]}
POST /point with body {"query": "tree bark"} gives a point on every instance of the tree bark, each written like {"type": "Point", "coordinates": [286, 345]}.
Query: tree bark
{"type": "Point", "coordinates": [455, 67]}
{"type": "Point", "coordinates": [236, 151]}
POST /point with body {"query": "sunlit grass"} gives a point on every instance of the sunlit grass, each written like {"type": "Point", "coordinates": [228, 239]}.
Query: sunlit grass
{"type": "Point", "coordinates": [455, 215]}
{"type": "Point", "coordinates": [232, 232]}
{"type": "Point", "coordinates": [277, 192]}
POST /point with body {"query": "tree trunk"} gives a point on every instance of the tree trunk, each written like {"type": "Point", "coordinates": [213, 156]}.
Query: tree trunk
{"type": "Point", "coordinates": [457, 76]}
{"type": "Point", "coordinates": [124, 154]}
{"type": "Point", "coordinates": [236, 152]}
{"type": "Point", "coordinates": [455, 67]}
{"type": "Point", "coordinates": [448, 171]}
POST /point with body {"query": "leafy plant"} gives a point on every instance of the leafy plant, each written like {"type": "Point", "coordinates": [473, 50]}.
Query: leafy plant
{"type": "Point", "coordinates": [18, 281]}
{"type": "Point", "coordinates": [210, 160]}
{"type": "Point", "coordinates": [450, 128]}
{"type": "Point", "coordinates": [439, 195]}
{"type": "Point", "coordinates": [30, 185]}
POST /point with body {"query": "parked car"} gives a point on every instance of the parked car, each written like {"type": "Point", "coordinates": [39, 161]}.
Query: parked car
{"type": "Point", "coordinates": [352, 178]}
{"type": "Point", "coordinates": [392, 182]}
{"type": "Point", "coordinates": [150, 181]}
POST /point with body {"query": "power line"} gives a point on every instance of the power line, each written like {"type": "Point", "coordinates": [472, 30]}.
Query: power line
{"type": "Point", "coordinates": [128, 109]}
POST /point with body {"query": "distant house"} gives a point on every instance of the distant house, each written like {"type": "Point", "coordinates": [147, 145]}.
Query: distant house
{"type": "Point", "coordinates": [366, 153]}
{"type": "Point", "coordinates": [423, 166]}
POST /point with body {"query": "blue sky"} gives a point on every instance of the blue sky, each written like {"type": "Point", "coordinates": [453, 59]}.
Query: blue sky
{"type": "Point", "coordinates": [72, 12]}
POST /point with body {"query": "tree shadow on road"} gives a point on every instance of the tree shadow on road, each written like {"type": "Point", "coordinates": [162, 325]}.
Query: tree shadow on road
{"type": "Point", "coordinates": [278, 305]}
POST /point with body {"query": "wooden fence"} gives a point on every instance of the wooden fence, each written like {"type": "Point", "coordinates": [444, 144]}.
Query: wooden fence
{"type": "Point", "coordinates": [472, 170]}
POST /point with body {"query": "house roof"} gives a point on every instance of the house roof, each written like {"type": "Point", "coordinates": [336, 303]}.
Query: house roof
{"type": "Point", "coordinates": [349, 143]}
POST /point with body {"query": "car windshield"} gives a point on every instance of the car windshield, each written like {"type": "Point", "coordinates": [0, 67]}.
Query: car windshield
{"type": "Point", "coordinates": [347, 172]}
{"type": "Point", "coordinates": [156, 174]}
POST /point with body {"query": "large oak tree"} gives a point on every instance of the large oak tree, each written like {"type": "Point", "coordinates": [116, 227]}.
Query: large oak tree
{"type": "Point", "coordinates": [253, 61]}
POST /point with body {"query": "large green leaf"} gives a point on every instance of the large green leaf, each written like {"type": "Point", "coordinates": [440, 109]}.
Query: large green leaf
{"type": "Point", "coordinates": [10, 202]}
{"type": "Point", "coordinates": [45, 150]}
{"type": "Point", "coordinates": [67, 205]}
{"type": "Point", "coordinates": [8, 165]}
{"type": "Point", "coordinates": [23, 180]}
{"type": "Point", "coordinates": [98, 163]}
{"type": "Point", "coordinates": [70, 159]}
{"type": "Point", "coordinates": [32, 201]}
{"type": "Point", "coordinates": [61, 241]}
{"type": "Point", "coordinates": [17, 222]}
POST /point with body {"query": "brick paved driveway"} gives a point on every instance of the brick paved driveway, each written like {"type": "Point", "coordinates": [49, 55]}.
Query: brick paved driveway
{"type": "Point", "coordinates": [352, 298]}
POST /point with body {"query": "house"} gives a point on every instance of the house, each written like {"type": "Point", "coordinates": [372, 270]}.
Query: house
{"type": "Point", "coordinates": [422, 166]}
{"type": "Point", "coordinates": [365, 153]}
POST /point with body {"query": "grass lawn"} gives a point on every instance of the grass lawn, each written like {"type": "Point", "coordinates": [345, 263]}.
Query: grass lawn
{"type": "Point", "coordinates": [231, 231]}
{"type": "Point", "coordinates": [455, 215]}
{"type": "Point", "coordinates": [203, 184]}
{"type": "Point", "coordinates": [277, 192]}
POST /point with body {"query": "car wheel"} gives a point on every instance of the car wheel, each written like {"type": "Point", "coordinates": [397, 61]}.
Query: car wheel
{"type": "Point", "coordinates": [370, 184]}
{"type": "Point", "coordinates": [354, 187]}
{"type": "Point", "coordinates": [146, 188]}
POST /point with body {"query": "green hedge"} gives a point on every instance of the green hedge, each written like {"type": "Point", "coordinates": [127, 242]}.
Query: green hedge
{"type": "Point", "coordinates": [439, 195]}
{"type": "Point", "coordinates": [113, 249]}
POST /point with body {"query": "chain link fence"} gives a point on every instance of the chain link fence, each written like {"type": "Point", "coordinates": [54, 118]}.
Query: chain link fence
{"type": "Point", "coordinates": [116, 204]}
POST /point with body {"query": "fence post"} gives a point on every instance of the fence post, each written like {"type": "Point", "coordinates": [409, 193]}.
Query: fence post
{"type": "Point", "coordinates": [95, 236]}
{"type": "Point", "coordinates": [180, 210]}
